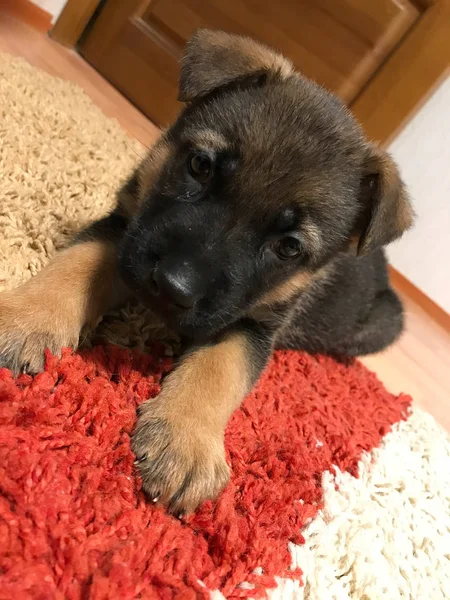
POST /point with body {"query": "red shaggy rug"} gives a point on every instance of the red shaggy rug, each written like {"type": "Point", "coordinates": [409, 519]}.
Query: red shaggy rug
{"type": "Point", "coordinates": [74, 523]}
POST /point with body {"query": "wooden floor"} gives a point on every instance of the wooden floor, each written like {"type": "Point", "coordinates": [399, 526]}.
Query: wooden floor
{"type": "Point", "coordinates": [419, 364]}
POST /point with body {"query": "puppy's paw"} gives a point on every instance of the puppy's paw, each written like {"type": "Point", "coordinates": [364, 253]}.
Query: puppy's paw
{"type": "Point", "coordinates": [27, 329]}
{"type": "Point", "coordinates": [181, 460]}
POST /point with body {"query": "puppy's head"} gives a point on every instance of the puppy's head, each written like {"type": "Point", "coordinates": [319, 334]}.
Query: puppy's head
{"type": "Point", "coordinates": [263, 180]}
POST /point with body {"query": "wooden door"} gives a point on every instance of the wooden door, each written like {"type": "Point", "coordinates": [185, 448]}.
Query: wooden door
{"type": "Point", "coordinates": [136, 44]}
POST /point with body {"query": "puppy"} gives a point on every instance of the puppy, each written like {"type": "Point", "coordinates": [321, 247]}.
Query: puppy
{"type": "Point", "coordinates": [255, 222]}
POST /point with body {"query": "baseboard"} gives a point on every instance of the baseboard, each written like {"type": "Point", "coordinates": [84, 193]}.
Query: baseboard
{"type": "Point", "coordinates": [28, 13]}
{"type": "Point", "coordinates": [404, 286]}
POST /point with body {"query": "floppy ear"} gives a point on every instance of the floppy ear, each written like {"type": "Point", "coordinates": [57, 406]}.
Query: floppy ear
{"type": "Point", "coordinates": [213, 59]}
{"type": "Point", "coordinates": [387, 212]}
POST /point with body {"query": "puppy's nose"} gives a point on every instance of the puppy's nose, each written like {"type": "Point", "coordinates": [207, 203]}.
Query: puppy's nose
{"type": "Point", "coordinates": [179, 285]}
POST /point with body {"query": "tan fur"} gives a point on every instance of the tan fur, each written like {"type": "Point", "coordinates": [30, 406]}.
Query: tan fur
{"type": "Point", "coordinates": [211, 382]}
{"type": "Point", "coordinates": [50, 309]}
{"type": "Point", "coordinates": [207, 139]}
{"type": "Point", "coordinates": [287, 290]}
{"type": "Point", "coordinates": [311, 236]}
{"type": "Point", "coordinates": [391, 213]}
{"type": "Point", "coordinates": [260, 57]}
{"type": "Point", "coordinates": [152, 165]}
{"type": "Point", "coordinates": [392, 184]}
{"type": "Point", "coordinates": [215, 58]}
{"type": "Point", "coordinates": [128, 201]}
{"type": "Point", "coordinates": [184, 427]}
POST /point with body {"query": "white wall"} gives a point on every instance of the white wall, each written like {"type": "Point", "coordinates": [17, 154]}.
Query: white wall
{"type": "Point", "coordinates": [422, 151]}
{"type": "Point", "coordinates": [54, 7]}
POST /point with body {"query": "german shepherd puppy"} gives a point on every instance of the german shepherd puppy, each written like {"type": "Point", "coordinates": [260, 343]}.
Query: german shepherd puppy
{"type": "Point", "coordinates": [255, 222]}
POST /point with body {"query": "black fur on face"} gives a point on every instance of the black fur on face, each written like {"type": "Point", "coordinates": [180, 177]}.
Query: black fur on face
{"type": "Point", "coordinates": [261, 181]}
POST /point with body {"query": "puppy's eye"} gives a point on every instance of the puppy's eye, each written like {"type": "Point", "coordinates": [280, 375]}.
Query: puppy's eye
{"type": "Point", "coordinates": [287, 247]}
{"type": "Point", "coordinates": [199, 166]}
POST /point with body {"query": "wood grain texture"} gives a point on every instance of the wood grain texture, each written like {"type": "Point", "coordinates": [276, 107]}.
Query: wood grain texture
{"type": "Point", "coordinates": [423, 4]}
{"type": "Point", "coordinates": [419, 363]}
{"type": "Point", "coordinates": [73, 20]}
{"type": "Point", "coordinates": [137, 44]}
{"type": "Point", "coordinates": [408, 76]}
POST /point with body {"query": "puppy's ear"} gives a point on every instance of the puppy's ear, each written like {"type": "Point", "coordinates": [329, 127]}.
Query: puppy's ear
{"type": "Point", "coordinates": [386, 210]}
{"type": "Point", "coordinates": [213, 59]}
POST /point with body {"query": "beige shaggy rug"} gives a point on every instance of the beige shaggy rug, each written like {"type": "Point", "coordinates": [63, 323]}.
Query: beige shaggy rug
{"type": "Point", "coordinates": [385, 534]}
{"type": "Point", "coordinates": [61, 163]}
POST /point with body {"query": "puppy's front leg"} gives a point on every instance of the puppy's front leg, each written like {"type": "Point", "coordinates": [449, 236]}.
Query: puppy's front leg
{"type": "Point", "coordinates": [73, 291]}
{"type": "Point", "coordinates": [179, 436]}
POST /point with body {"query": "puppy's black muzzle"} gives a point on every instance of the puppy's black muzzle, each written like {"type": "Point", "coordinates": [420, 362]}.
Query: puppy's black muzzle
{"type": "Point", "coordinates": [179, 283]}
